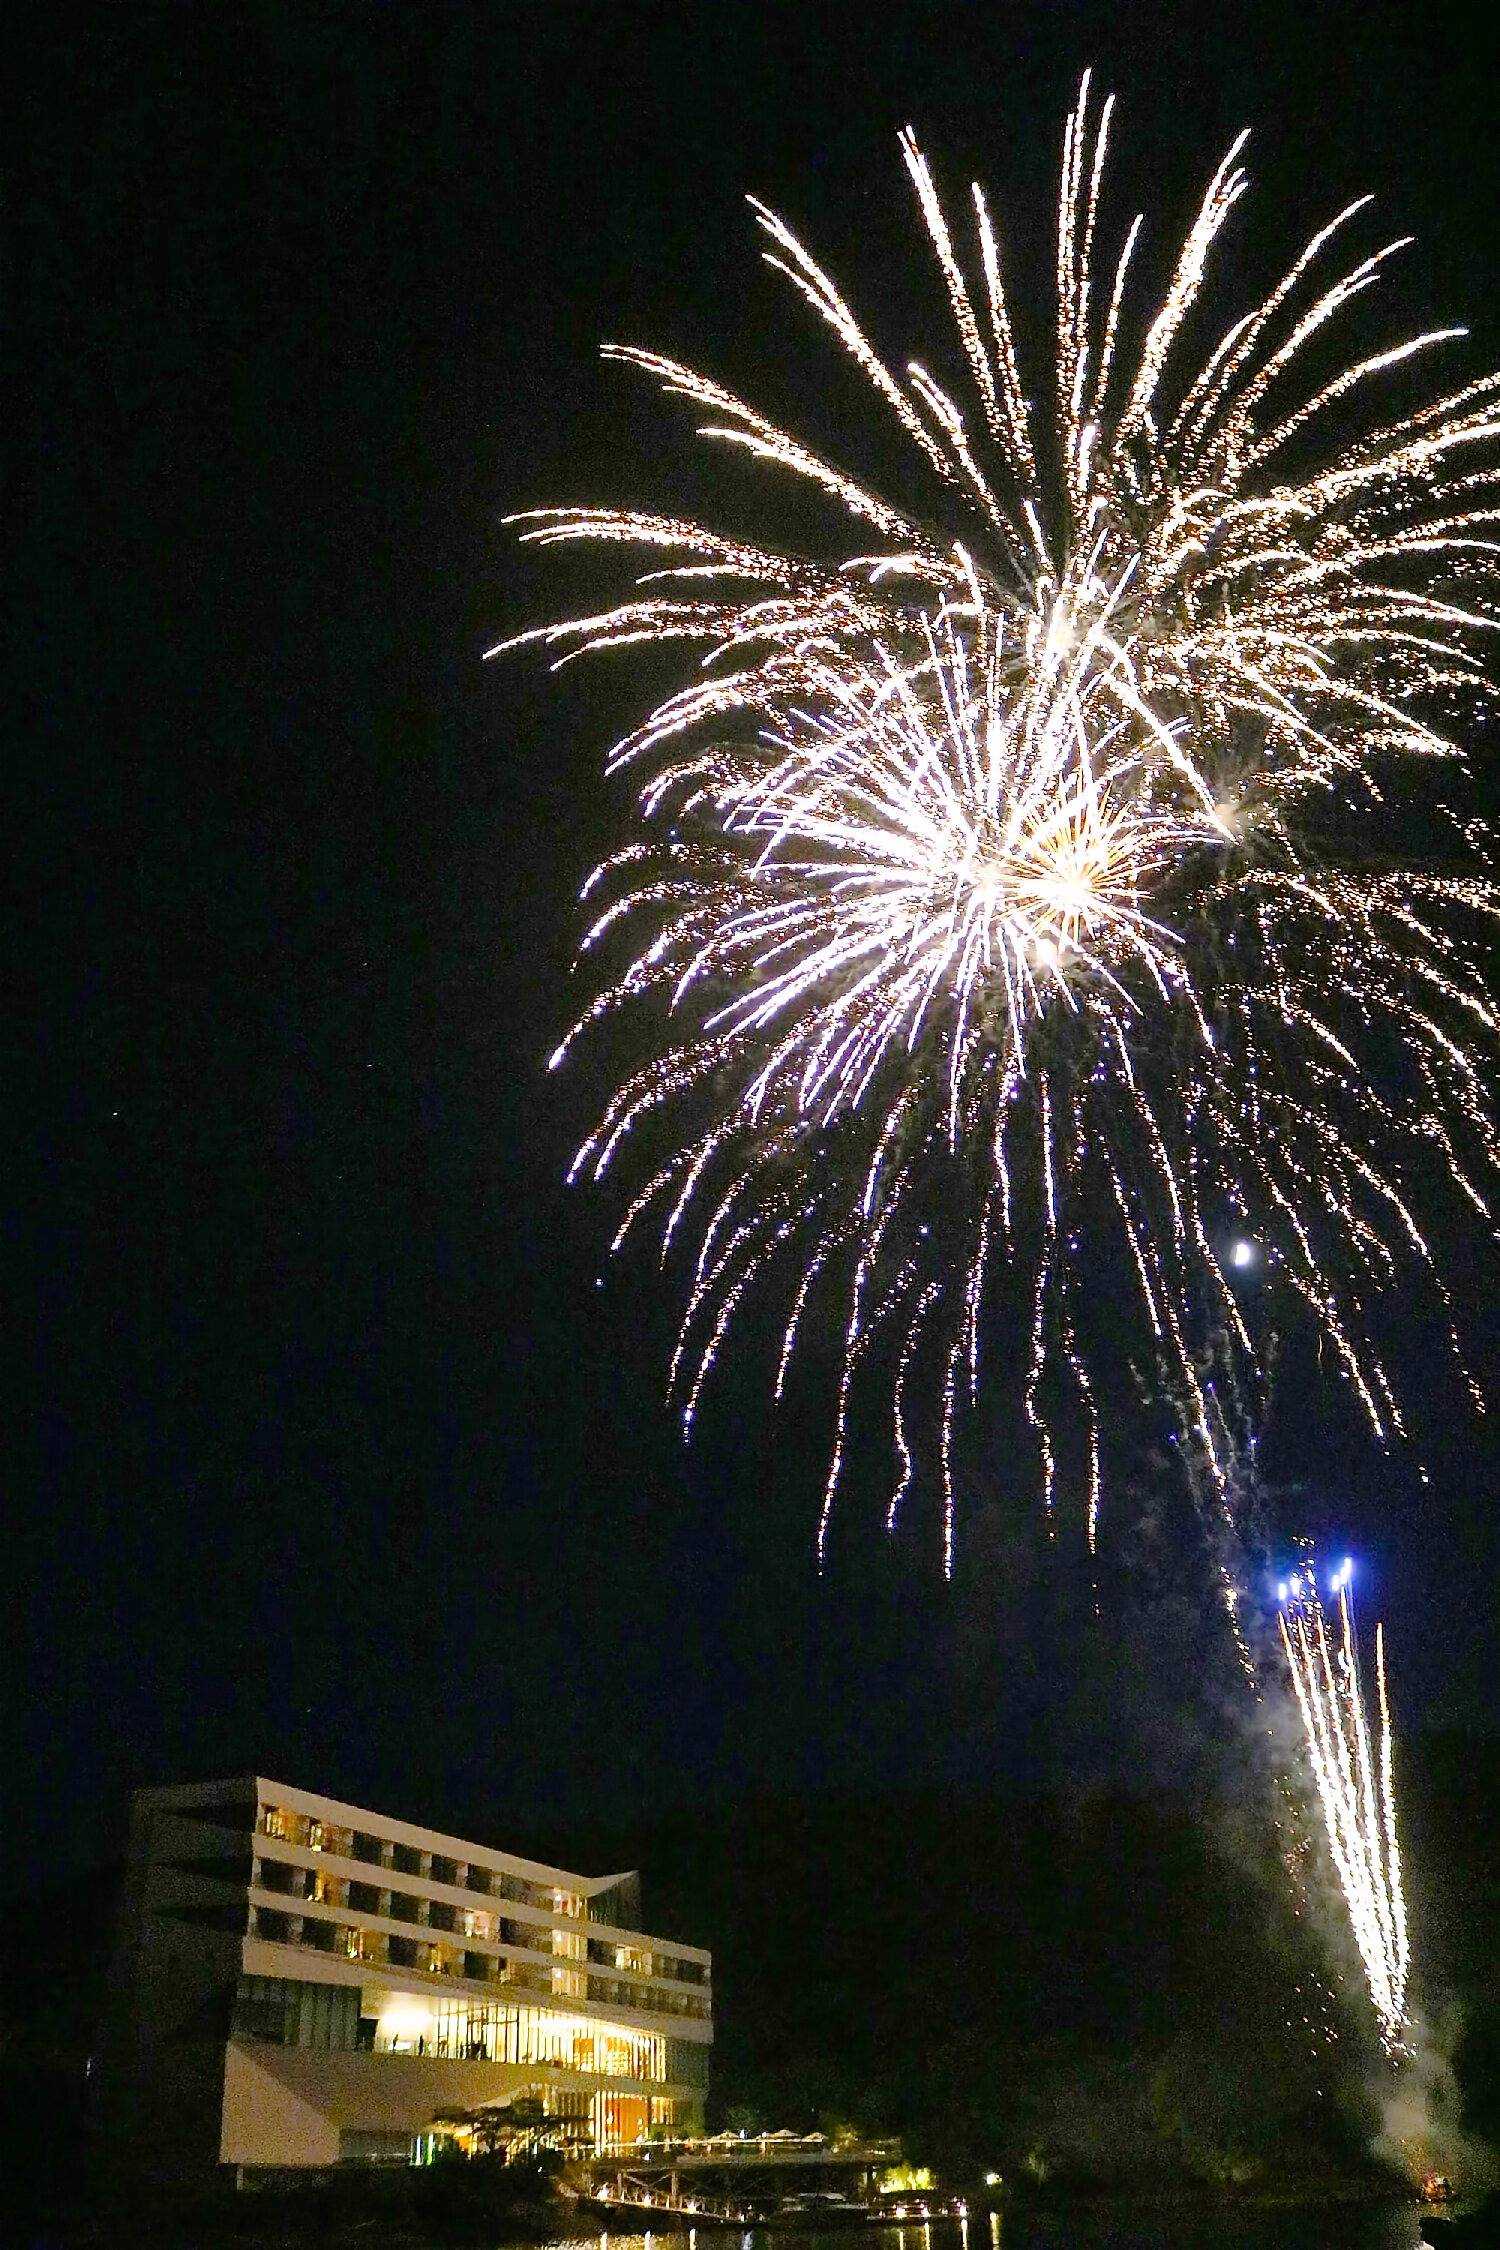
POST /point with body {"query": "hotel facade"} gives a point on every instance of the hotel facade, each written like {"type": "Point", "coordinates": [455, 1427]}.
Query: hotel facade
{"type": "Point", "coordinates": [300, 1982]}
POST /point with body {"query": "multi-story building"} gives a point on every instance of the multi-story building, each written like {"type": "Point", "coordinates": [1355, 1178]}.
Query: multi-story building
{"type": "Point", "coordinates": [299, 1982]}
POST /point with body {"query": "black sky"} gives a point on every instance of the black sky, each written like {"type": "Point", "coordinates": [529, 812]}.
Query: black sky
{"type": "Point", "coordinates": [328, 1456]}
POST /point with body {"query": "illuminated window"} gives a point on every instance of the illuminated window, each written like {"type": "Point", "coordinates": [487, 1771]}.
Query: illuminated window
{"type": "Point", "coordinates": [323, 1837]}
{"type": "Point", "coordinates": [570, 1946]}
{"type": "Point", "coordinates": [468, 2028]}
{"type": "Point", "coordinates": [405, 2025]}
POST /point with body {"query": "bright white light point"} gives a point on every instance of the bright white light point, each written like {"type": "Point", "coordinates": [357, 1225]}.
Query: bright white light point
{"type": "Point", "coordinates": [1243, 1253]}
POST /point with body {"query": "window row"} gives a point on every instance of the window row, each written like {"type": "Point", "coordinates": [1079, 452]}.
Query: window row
{"type": "Point", "coordinates": [621, 1992]}
{"type": "Point", "coordinates": [562, 1976]}
{"type": "Point", "coordinates": [319, 1887]}
{"type": "Point", "coordinates": [304, 1829]}
{"type": "Point", "coordinates": [322, 1889]}
{"type": "Point", "coordinates": [409, 1859]}
{"type": "Point", "coordinates": [646, 1962]}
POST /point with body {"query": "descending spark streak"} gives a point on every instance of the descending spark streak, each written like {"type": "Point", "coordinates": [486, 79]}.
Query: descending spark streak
{"type": "Point", "coordinates": [1020, 892]}
{"type": "Point", "coordinates": [1359, 1810]}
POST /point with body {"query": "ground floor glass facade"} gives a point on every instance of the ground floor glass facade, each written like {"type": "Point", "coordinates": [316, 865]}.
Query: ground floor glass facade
{"type": "Point", "coordinates": [286, 2012]}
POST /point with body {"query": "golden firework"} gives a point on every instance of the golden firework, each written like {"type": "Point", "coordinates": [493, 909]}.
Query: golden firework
{"type": "Point", "coordinates": [1020, 895]}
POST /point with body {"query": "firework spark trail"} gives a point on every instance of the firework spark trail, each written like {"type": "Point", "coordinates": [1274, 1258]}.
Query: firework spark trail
{"type": "Point", "coordinates": [1357, 1797]}
{"type": "Point", "coordinates": [1018, 895]}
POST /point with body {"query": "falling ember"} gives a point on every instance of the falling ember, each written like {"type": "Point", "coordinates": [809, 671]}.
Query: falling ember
{"type": "Point", "coordinates": [1034, 984]}
{"type": "Point", "coordinates": [1355, 1788]}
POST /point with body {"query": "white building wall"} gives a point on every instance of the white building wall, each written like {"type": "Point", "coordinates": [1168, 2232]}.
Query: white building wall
{"type": "Point", "coordinates": [178, 2089]}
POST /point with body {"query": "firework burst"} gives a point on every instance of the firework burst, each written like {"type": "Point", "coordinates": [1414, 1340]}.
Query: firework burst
{"type": "Point", "coordinates": [1015, 905]}
{"type": "Point", "coordinates": [1354, 1785]}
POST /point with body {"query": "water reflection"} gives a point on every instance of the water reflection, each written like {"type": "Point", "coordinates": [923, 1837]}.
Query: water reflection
{"type": "Point", "coordinates": [1116, 2228]}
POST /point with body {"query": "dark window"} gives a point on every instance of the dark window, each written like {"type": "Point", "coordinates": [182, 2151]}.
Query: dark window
{"type": "Point", "coordinates": [444, 1870]}
{"type": "Point", "coordinates": [478, 1879]}
{"type": "Point", "coordinates": [403, 1907]}
{"type": "Point", "coordinates": [403, 1953]}
{"type": "Point", "coordinates": [281, 2012]}
{"type": "Point", "coordinates": [406, 1859]}
{"type": "Point", "coordinates": [366, 1848]}
{"type": "Point", "coordinates": [275, 1875]}
{"type": "Point", "coordinates": [477, 1964]}
{"type": "Point", "coordinates": [276, 1929]}
{"type": "Point", "coordinates": [374, 2148]}
{"type": "Point", "coordinates": [364, 1898]}
{"type": "Point", "coordinates": [260, 2010]}
{"type": "Point", "coordinates": [440, 1916]}
{"type": "Point", "coordinates": [529, 1934]}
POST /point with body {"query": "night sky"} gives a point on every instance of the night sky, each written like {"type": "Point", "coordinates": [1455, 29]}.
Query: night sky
{"type": "Point", "coordinates": [329, 1456]}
